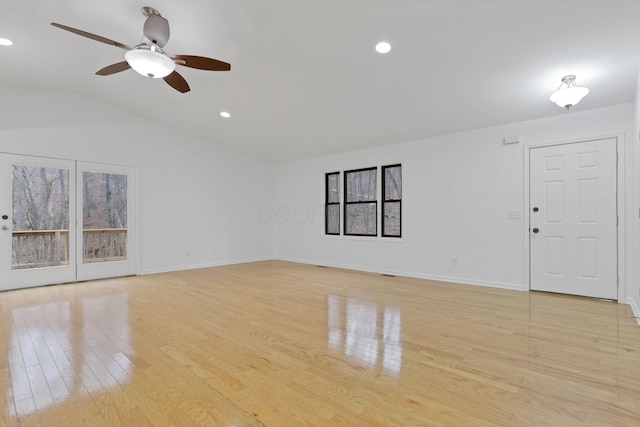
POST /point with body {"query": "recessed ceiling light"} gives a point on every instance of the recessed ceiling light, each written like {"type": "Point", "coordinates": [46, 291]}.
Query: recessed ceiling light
{"type": "Point", "coordinates": [383, 47]}
{"type": "Point", "coordinates": [5, 42]}
{"type": "Point", "coordinates": [225, 114]}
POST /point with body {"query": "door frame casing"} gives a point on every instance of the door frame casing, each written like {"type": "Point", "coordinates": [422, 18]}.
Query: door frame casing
{"type": "Point", "coordinates": [620, 206]}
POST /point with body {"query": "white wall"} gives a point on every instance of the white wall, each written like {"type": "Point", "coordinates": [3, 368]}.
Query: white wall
{"type": "Point", "coordinates": [194, 196]}
{"type": "Point", "coordinates": [225, 207]}
{"type": "Point", "coordinates": [457, 190]}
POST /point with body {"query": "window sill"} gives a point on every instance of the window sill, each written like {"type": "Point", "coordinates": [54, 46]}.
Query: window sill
{"type": "Point", "coordinates": [364, 238]}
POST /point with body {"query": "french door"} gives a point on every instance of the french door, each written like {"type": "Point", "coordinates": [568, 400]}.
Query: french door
{"type": "Point", "coordinates": [63, 221]}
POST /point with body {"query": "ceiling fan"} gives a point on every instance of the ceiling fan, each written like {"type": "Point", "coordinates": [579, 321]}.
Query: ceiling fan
{"type": "Point", "coordinates": [148, 58]}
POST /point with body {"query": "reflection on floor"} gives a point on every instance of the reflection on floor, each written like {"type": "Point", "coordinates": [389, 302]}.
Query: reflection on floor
{"type": "Point", "coordinates": [52, 359]}
{"type": "Point", "coordinates": [371, 339]}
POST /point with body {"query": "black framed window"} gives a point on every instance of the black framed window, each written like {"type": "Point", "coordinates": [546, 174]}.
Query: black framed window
{"type": "Point", "coordinates": [361, 202]}
{"type": "Point", "coordinates": [392, 201]}
{"type": "Point", "coordinates": [332, 203]}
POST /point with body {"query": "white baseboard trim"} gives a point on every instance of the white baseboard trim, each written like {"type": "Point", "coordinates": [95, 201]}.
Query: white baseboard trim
{"type": "Point", "coordinates": [448, 279]}
{"type": "Point", "coordinates": [206, 265]}
{"type": "Point", "coordinates": [634, 308]}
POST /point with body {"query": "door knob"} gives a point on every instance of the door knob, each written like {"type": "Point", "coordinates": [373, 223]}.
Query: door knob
{"type": "Point", "coordinates": [535, 230]}
{"type": "Point", "coordinates": [536, 209]}
{"type": "Point", "coordinates": [5, 227]}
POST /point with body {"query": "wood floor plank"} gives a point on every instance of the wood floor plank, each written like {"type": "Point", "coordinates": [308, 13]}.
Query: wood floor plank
{"type": "Point", "coordinates": [278, 343]}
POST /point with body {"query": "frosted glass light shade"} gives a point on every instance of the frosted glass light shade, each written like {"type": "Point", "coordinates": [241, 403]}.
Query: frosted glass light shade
{"type": "Point", "coordinates": [568, 97]}
{"type": "Point", "coordinates": [569, 93]}
{"type": "Point", "coordinates": [149, 62]}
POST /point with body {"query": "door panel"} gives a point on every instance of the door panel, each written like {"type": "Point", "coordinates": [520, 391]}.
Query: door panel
{"type": "Point", "coordinates": [574, 188]}
{"type": "Point", "coordinates": [106, 203]}
{"type": "Point", "coordinates": [554, 255]}
{"type": "Point", "coordinates": [588, 201]}
{"type": "Point", "coordinates": [554, 210]}
{"type": "Point", "coordinates": [37, 244]}
{"type": "Point", "coordinates": [588, 257]}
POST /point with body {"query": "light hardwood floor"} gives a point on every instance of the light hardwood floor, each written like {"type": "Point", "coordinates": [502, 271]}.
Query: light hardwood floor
{"type": "Point", "coordinates": [283, 344]}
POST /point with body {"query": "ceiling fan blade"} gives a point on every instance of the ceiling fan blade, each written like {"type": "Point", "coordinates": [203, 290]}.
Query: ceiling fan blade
{"type": "Point", "coordinates": [201, 63]}
{"type": "Point", "coordinates": [156, 30]}
{"type": "Point", "coordinates": [92, 36]}
{"type": "Point", "coordinates": [114, 68]}
{"type": "Point", "coordinates": [177, 82]}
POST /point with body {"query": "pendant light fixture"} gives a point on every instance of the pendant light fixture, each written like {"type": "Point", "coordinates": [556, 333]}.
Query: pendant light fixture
{"type": "Point", "coordinates": [569, 93]}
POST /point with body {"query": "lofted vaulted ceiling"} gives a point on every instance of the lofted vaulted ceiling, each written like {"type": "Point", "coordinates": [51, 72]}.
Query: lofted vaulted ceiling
{"type": "Point", "coordinates": [305, 78]}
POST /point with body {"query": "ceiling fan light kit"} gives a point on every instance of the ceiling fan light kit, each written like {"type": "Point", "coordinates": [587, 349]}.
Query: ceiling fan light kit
{"type": "Point", "coordinates": [150, 61]}
{"type": "Point", "coordinates": [148, 58]}
{"type": "Point", "coordinates": [569, 93]}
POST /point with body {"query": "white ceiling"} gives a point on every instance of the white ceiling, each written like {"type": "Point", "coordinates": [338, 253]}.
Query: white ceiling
{"type": "Point", "coordinates": [305, 78]}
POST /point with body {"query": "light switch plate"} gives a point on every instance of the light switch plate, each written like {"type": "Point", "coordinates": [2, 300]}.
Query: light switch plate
{"type": "Point", "coordinates": [514, 214]}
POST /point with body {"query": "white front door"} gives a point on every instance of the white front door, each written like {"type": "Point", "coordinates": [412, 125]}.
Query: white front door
{"type": "Point", "coordinates": [37, 221]}
{"type": "Point", "coordinates": [573, 218]}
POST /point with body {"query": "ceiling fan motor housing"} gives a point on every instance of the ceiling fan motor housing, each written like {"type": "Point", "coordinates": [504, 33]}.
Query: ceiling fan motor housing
{"type": "Point", "coordinates": [156, 30]}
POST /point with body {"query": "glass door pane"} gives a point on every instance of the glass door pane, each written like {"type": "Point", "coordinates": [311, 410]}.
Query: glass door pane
{"type": "Point", "coordinates": [104, 217]}
{"type": "Point", "coordinates": [40, 220]}
{"type": "Point", "coordinates": [106, 234]}
{"type": "Point", "coordinates": [37, 203]}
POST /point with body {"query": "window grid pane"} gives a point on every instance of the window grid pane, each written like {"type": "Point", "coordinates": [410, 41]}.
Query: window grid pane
{"type": "Point", "coordinates": [332, 203]}
{"type": "Point", "coordinates": [391, 222]}
{"type": "Point", "coordinates": [361, 185]}
{"type": "Point", "coordinates": [392, 201]}
{"type": "Point", "coordinates": [361, 219]}
{"type": "Point", "coordinates": [392, 183]}
{"type": "Point", "coordinates": [333, 188]}
{"type": "Point", "coordinates": [333, 219]}
{"type": "Point", "coordinates": [361, 204]}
